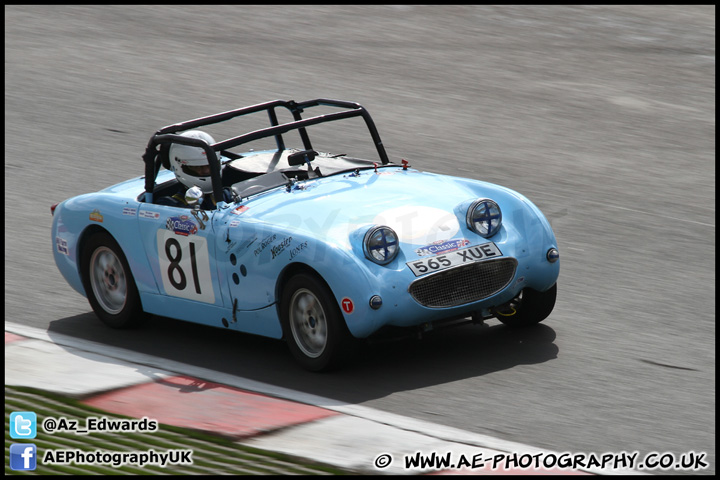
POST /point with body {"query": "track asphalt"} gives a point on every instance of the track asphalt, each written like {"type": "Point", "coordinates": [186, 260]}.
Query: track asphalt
{"type": "Point", "coordinates": [310, 435]}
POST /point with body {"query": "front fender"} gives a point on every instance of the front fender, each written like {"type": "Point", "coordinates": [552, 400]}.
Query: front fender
{"type": "Point", "coordinates": [353, 283]}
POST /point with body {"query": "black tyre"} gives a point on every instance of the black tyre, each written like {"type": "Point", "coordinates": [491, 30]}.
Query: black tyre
{"type": "Point", "coordinates": [313, 325]}
{"type": "Point", "coordinates": [532, 308]}
{"type": "Point", "coordinates": [109, 284]}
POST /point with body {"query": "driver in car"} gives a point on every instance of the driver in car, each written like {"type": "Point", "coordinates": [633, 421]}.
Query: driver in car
{"type": "Point", "coordinates": [191, 168]}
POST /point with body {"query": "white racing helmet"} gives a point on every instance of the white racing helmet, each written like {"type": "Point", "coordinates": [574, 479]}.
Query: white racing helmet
{"type": "Point", "coordinates": [185, 160]}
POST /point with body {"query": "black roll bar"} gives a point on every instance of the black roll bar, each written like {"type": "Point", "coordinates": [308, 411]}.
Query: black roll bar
{"type": "Point", "coordinates": [168, 134]}
{"type": "Point", "coordinates": [152, 167]}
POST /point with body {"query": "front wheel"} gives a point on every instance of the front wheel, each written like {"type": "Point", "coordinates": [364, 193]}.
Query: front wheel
{"type": "Point", "coordinates": [313, 326]}
{"type": "Point", "coordinates": [109, 284]}
{"type": "Point", "coordinates": [531, 308]}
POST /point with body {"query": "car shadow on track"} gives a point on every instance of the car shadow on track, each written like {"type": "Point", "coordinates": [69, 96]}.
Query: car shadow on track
{"type": "Point", "coordinates": [378, 369]}
{"type": "Point", "coordinates": [446, 356]}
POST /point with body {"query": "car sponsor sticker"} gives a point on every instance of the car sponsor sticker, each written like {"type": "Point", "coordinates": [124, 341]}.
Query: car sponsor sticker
{"type": "Point", "coordinates": [230, 245]}
{"type": "Point", "coordinates": [347, 305]}
{"type": "Point", "coordinates": [267, 241]}
{"type": "Point", "coordinates": [240, 209]}
{"type": "Point", "coordinates": [95, 216]}
{"type": "Point", "coordinates": [246, 244]}
{"type": "Point", "coordinates": [297, 250]}
{"type": "Point", "coordinates": [280, 247]}
{"type": "Point", "coordinates": [129, 211]}
{"type": "Point", "coordinates": [439, 247]}
{"type": "Point", "coordinates": [149, 214]}
{"type": "Point", "coordinates": [181, 225]}
{"type": "Point", "coordinates": [452, 259]}
{"type": "Point", "coordinates": [62, 246]}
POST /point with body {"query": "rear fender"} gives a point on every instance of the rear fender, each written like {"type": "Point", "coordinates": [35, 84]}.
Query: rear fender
{"type": "Point", "coordinates": [78, 218]}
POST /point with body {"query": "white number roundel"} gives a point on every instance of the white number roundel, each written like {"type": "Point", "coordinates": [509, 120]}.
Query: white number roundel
{"type": "Point", "coordinates": [185, 266]}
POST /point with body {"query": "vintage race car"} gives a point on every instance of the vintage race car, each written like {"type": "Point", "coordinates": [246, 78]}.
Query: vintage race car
{"type": "Point", "coordinates": [318, 248]}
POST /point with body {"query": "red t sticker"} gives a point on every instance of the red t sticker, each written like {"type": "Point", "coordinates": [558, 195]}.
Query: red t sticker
{"type": "Point", "coordinates": [347, 305]}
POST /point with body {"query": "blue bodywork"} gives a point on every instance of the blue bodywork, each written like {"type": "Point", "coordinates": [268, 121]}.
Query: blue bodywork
{"type": "Point", "coordinates": [227, 269]}
{"type": "Point", "coordinates": [318, 224]}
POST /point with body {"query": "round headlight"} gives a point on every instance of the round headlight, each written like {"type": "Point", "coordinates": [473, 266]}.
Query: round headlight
{"type": "Point", "coordinates": [484, 217]}
{"type": "Point", "coordinates": [381, 245]}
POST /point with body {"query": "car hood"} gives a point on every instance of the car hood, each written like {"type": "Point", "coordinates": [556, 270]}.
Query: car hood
{"type": "Point", "coordinates": [423, 208]}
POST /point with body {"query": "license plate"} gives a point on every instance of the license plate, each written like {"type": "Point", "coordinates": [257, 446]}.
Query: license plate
{"type": "Point", "coordinates": [458, 257]}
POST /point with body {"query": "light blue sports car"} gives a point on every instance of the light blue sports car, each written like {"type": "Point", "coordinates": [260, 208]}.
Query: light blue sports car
{"type": "Point", "coordinates": [321, 249]}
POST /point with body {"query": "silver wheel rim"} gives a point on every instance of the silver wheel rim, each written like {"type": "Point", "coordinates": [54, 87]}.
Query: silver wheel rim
{"type": "Point", "coordinates": [107, 278]}
{"type": "Point", "coordinates": [308, 323]}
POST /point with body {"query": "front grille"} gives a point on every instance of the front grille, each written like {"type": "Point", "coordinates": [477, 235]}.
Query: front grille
{"type": "Point", "coordinates": [464, 284]}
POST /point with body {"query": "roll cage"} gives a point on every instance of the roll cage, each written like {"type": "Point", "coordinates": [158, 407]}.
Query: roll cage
{"type": "Point", "coordinates": [168, 135]}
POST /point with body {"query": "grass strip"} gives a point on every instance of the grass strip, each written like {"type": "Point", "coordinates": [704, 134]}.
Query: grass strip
{"type": "Point", "coordinates": [212, 455]}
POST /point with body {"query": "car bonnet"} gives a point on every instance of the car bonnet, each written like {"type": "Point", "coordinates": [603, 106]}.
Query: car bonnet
{"type": "Point", "coordinates": [423, 208]}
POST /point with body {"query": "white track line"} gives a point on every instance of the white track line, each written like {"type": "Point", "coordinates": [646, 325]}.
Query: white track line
{"type": "Point", "coordinates": [434, 430]}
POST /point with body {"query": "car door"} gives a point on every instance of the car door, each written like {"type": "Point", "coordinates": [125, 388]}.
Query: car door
{"type": "Point", "coordinates": [180, 247]}
{"type": "Point", "coordinates": [245, 269]}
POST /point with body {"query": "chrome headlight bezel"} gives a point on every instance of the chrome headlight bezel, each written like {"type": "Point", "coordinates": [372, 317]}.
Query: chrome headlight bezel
{"type": "Point", "coordinates": [380, 250]}
{"type": "Point", "coordinates": [484, 217]}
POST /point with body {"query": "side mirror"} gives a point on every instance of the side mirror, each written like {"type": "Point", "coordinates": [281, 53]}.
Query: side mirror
{"type": "Point", "coordinates": [194, 196]}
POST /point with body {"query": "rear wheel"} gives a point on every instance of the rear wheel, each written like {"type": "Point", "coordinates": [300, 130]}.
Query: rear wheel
{"type": "Point", "coordinates": [313, 325]}
{"type": "Point", "coordinates": [531, 308]}
{"type": "Point", "coordinates": [109, 284]}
